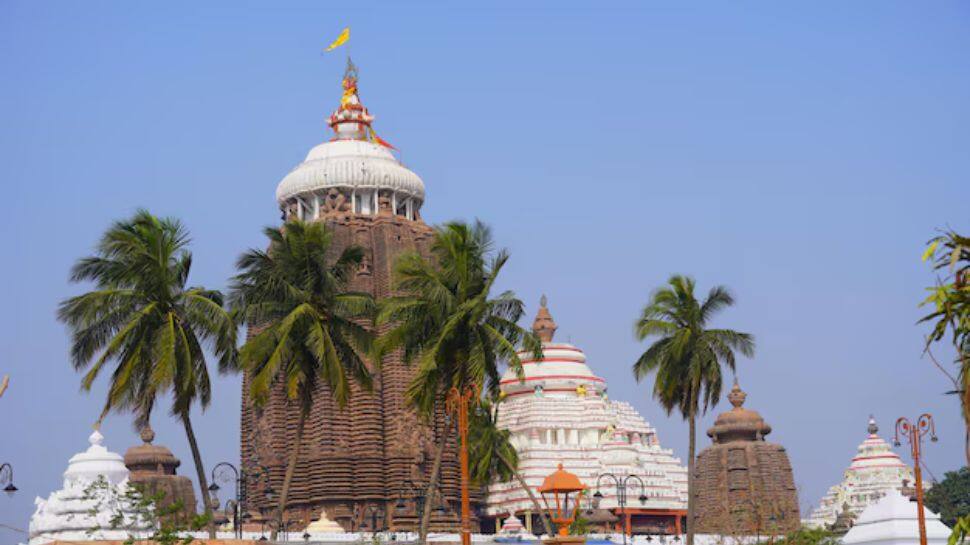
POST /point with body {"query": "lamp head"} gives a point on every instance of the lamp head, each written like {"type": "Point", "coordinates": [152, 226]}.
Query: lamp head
{"type": "Point", "coordinates": [10, 489]}
{"type": "Point", "coordinates": [213, 487]}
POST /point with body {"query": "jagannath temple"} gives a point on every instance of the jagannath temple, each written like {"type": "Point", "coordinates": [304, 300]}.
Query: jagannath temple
{"type": "Point", "coordinates": [744, 484]}
{"type": "Point", "coordinates": [873, 471]}
{"type": "Point", "coordinates": [360, 466]}
{"type": "Point", "coordinates": [559, 413]}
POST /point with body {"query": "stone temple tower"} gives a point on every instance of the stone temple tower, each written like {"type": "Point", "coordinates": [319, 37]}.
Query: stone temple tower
{"type": "Point", "coordinates": [744, 484]}
{"type": "Point", "coordinates": [363, 464]}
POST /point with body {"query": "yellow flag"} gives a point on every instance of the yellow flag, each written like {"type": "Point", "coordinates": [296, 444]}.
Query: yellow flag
{"type": "Point", "coordinates": [341, 40]}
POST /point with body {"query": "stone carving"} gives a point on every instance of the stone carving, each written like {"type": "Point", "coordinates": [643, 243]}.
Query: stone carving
{"type": "Point", "coordinates": [744, 484]}
{"type": "Point", "coordinates": [335, 202]}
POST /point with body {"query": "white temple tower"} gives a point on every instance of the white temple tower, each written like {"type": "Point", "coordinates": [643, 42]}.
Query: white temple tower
{"type": "Point", "coordinates": [560, 413]}
{"type": "Point", "coordinates": [874, 471]}
{"type": "Point", "coordinates": [92, 504]}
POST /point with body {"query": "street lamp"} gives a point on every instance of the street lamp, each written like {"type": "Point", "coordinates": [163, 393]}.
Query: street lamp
{"type": "Point", "coordinates": [560, 485]}
{"type": "Point", "coordinates": [225, 472]}
{"type": "Point", "coordinates": [374, 510]}
{"type": "Point", "coordinates": [915, 433]}
{"type": "Point", "coordinates": [457, 403]}
{"type": "Point", "coordinates": [6, 476]}
{"type": "Point", "coordinates": [410, 491]}
{"type": "Point", "coordinates": [621, 488]}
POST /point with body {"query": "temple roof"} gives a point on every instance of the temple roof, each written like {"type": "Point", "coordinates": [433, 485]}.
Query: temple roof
{"type": "Point", "coordinates": [738, 424]}
{"type": "Point", "coordinates": [149, 458]}
{"type": "Point", "coordinates": [354, 158]}
{"type": "Point", "coordinates": [95, 461]}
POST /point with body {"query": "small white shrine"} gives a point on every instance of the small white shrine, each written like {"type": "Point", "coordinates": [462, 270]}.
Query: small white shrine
{"type": "Point", "coordinates": [93, 494]}
{"type": "Point", "coordinates": [893, 521]}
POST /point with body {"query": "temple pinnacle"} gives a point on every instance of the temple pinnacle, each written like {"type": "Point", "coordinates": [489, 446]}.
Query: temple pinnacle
{"type": "Point", "coordinates": [544, 326]}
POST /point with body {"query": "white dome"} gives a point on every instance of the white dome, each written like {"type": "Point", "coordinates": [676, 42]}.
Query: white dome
{"type": "Point", "coordinates": [349, 164]}
{"type": "Point", "coordinates": [893, 521]}
{"type": "Point", "coordinates": [562, 369]}
{"type": "Point", "coordinates": [96, 461]}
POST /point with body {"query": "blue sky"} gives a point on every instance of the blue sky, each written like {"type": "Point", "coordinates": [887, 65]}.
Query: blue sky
{"type": "Point", "coordinates": [799, 154]}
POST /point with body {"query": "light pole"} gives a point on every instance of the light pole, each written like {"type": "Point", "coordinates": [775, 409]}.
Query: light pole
{"type": "Point", "coordinates": [905, 428]}
{"type": "Point", "coordinates": [6, 476]}
{"type": "Point", "coordinates": [225, 472]}
{"type": "Point", "coordinates": [457, 402]}
{"type": "Point", "coordinates": [621, 487]}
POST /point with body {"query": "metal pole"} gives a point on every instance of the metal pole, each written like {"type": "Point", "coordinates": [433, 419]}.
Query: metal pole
{"type": "Point", "coordinates": [458, 403]}
{"type": "Point", "coordinates": [915, 433]}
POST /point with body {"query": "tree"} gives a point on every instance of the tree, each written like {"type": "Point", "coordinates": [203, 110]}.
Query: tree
{"type": "Point", "coordinates": [687, 357]}
{"type": "Point", "coordinates": [950, 300]}
{"type": "Point", "coordinates": [447, 323]}
{"type": "Point", "coordinates": [308, 328]}
{"type": "Point", "coordinates": [143, 318]}
{"type": "Point", "coordinates": [495, 458]}
{"type": "Point", "coordinates": [951, 496]}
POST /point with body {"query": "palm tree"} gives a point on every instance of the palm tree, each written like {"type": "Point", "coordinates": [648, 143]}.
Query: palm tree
{"type": "Point", "coordinates": [687, 357]}
{"type": "Point", "coordinates": [308, 327]}
{"type": "Point", "coordinates": [495, 458]}
{"type": "Point", "coordinates": [142, 318]}
{"type": "Point", "coordinates": [449, 325]}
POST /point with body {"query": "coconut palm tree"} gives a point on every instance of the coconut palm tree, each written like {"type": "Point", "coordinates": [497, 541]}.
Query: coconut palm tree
{"type": "Point", "coordinates": [494, 456]}
{"type": "Point", "coordinates": [450, 326]}
{"type": "Point", "coordinates": [308, 328]}
{"type": "Point", "coordinates": [687, 357]}
{"type": "Point", "coordinates": [141, 319]}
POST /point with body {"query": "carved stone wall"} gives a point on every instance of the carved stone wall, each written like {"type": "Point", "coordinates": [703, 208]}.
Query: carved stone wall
{"type": "Point", "coordinates": [355, 461]}
{"type": "Point", "coordinates": [743, 484]}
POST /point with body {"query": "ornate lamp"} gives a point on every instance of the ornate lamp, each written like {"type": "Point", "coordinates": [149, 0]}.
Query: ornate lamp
{"type": "Point", "coordinates": [561, 492]}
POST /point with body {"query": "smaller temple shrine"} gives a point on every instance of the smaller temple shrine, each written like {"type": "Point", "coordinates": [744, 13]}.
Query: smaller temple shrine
{"type": "Point", "coordinates": [744, 483]}
{"type": "Point", "coordinates": [153, 469]}
{"type": "Point", "coordinates": [92, 504]}
{"type": "Point", "coordinates": [873, 471]}
{"type": "Point", "coordinates": [559, 413]}
{"type": "Point", "coordinates": [893, 520]}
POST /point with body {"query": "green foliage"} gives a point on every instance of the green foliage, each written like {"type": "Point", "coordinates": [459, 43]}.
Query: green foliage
{"type": "Point", "coordinates": [309, 325]}
{"type": "Point", "coordinates": [950, 298]}
{"type": "Point", "coordinates": [809, 536]}
{"type": "Point", "coordinates": [687, 356]}
{"type": "Point", "coordinates": [143, 516]}
{"type": "Point", "coordinates": [142, 316]}
{"type": "Point", "coordinates": [580, 526]}
{"type": "Point", "coordinates": [448, 322]}
{"type": "Point", "coordinates": [950, 301]}
{"type": "Point", "coordinates": [492, 458]}
{"type": "Point", "coordinates": [961, 530]}
{"type": "Point", "coordinates": [951, 496]}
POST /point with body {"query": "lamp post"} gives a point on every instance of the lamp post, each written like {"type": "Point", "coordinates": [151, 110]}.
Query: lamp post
{"type": "Point", "coordinates": [457, 402]}
{"type": "Point", "coordinates": [560, 485]}
{"type": "Point", "coordinates": [621, 483]}
{"type": "Point", "coordinates": [225, 472]}
{"type": "Point", "coordinates": [914, 433]}
{"type": "Point", "coordinates": [6, 476]}
{"type": "Point", "coordinates": [374, 511]}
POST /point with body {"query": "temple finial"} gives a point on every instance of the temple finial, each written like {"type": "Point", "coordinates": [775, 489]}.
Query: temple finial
{"type": "Point", "coordinates": [873, 427]}
{"type": "Point", "coordinates": [737, 396]}
{"type": "Point", "coordinates": [544, 326]}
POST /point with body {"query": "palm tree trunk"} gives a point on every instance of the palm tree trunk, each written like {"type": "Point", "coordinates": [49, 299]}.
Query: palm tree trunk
{"type": "Point", "coordinates": [432, 483]}
{"type": "Point", "coordinates": [200, 472]}
{"type": "Point", "coordinates": [691, 449]}
{"type": "Point", "coordinates": [528, 490]}
{"type": "Point", "coordinates": [290, 470]}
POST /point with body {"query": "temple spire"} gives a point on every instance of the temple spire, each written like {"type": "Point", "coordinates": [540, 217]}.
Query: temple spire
{"type": "Point", "coordinates": [351, 120]}
{"type": "Point", "coordinates": [544, 327]}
